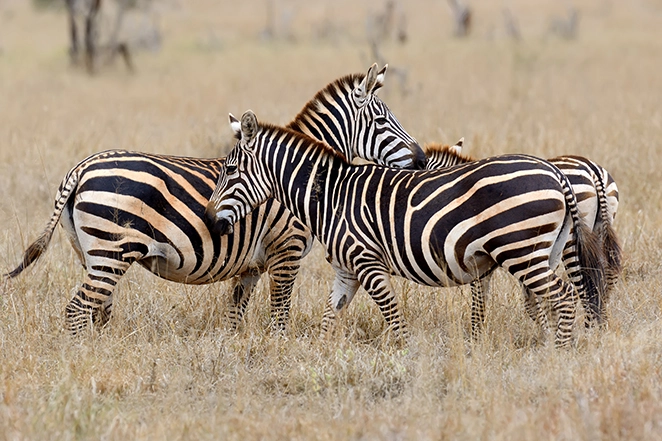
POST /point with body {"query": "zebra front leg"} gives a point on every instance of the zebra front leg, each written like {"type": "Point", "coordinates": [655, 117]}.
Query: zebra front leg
{"type": "Point", "coordinates": [479, 289]}
{"type": "Point", "coordinates": [344, 288]}
{"type": "Point", "coordinates": [378, 284]}
{"type": "Point", "coordinates": [242, 287]}
{"type": "Point", "coordinates": [94, 299]}
{"type": "Point", "coordinates": [282, 277]}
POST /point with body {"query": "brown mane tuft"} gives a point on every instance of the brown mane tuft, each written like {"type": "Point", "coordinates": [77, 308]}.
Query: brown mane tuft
{"type": "Point", "coordinates": [267, 127]}
{"type": "Point", "coordinates": [446, 150]}
{"type": "Point", "coordinates": [347, 82]}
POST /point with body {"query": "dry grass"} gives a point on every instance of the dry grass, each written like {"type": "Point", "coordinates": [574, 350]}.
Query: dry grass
{"type": "Point", "coordinates": [166, 368]}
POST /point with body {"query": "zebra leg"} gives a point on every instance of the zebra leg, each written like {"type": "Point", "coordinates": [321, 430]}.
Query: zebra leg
{"type": "Point", "coordinates": [549, 287]}
{"type": "Point", "coordinates": [479, 289]}
{"type": "Point", "coordinates": [94, 299]}
{"type": "Point", "coordinates": [344, 288]}
{"type": "Point", "coordinates": [378, 284]}
{"type": "Point", "coordinates": [283, 265]}
{"type": "Point", "coordinates": [282, 282]}
{"type": "Point", "coordinates": [243, 286]}
{"type": "Point", "coordinates": [535, 309]}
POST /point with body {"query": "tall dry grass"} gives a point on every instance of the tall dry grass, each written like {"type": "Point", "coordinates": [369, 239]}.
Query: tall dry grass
{"type": "Point", "coordinates": [166, 367]}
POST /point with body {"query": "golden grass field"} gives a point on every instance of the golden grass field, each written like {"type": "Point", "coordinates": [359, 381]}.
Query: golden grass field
{"type": "Point", "coordinates": [167, 368]}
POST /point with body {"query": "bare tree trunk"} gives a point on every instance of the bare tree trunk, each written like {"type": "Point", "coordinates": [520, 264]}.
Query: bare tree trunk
{"type": "Point", "coordinates": [90, 35]}
{"type": "Point", "coordinates": [461, 17]}
{"type": "Point", "coordinates": [73, 32]}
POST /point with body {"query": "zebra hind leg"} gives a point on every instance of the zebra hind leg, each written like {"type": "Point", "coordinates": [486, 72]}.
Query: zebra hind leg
{"type": "Point", "coordinates": [479, 289]}
{"type": "Point", "coordinates": [537, 311]}
{"type": "Point", "coordinates": [561, 295]}
{"type": "Point", "coordinates": [94, 300]}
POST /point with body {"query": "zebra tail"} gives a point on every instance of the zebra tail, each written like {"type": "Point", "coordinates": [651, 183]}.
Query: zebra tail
{"type": "Point", "coordinates": [610, 244]}
{"type": "Point", "coordinates": [612, 249]}
{"type": "Point", "coordinates": [592, 263]}
{"type": "Point", "coordinates": [590, 256]}
{"type": "Point", "coordinates": [37, 248]}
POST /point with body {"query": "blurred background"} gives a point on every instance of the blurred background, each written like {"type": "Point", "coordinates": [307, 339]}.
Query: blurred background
{"type": "Point", "coordinates": [543, 77]}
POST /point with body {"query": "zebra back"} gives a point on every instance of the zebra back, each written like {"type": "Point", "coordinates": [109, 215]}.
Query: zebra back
{"type": "Point", "coordinates": [597, 195]}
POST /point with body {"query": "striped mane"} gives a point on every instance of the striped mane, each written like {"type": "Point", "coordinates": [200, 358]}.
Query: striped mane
{"type": "Point", "coordinates": [346, 83]}
{"type": "Point", "coordinates": [444, 150]}
{"type": "Point", "coordinates": [301, 138]}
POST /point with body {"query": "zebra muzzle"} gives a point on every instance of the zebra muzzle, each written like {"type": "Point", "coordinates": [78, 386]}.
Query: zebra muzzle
{"type": "Point", "coordinates": [222, 227]}
{"type": "Point", "coordinates": [217, 226]}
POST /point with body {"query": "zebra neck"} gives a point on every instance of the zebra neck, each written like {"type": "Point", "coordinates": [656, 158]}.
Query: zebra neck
{"type": "Point", "coordinates": [322, 127]}
{"type": "Point", "coordinates": [305, 180]}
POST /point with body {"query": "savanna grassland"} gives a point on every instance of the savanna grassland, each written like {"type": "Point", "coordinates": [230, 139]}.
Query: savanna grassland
{"type": "Point", "coordinates": [166, 367]}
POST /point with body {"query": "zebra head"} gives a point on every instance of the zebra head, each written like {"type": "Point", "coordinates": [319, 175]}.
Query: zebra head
{"type": "Point", "coordinates": [378, 135]}
{"type": "Point", "coordinates": [232, 199]}
{"type": "Point", "coordinates": [350, 117]}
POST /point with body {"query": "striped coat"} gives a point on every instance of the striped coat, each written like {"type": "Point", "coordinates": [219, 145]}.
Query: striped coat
{"type": "Point", "coordinates": [439, 228]}
{"type": "Point", "coordinates": [597, 201]}
{"type": "Point", "coordinates": [121, 207]}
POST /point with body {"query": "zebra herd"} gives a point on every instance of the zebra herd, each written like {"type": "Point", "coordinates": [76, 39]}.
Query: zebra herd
{"type": "Point", "coordinates": [435, 217]}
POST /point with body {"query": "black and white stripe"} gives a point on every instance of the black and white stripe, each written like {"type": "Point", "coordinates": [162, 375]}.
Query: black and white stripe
{"type": "Point", "coordinates": [597, 203]}
{"type": "Point", "coordinates": [349, 116]}
{"type": "Point", "coordinates": [439, 228]}
{"type": "Point", "coordinates": [120, 207]}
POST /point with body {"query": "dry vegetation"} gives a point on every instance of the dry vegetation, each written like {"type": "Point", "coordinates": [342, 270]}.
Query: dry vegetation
{"type": "Point", "coordinates": [166, 368]}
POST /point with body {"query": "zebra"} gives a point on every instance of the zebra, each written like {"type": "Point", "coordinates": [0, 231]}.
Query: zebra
{"type": "Point", "coordinates": [597, 201]}
{"type": "Point", "coordinates": [438, 228]}
{"type": "Point", "coordinates": [119, 207]}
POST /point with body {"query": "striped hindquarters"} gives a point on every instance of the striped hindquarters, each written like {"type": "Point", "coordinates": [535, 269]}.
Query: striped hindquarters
{"type": "Point", "coordinates": [598, 197]}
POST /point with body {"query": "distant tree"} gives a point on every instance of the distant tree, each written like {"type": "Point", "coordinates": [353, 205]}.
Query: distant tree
{"type": "Point", "coordinates": [461, 17]}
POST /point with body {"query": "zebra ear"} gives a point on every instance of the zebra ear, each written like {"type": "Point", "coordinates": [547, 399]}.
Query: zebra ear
{"type": "Point", "coordinates": [248, 127]}
{"type": "Point", "coordinates": [457, 148]}
{"type": "Point", "coordinates": [236, 127]}
{"type": "Point", "coordinates": [362, 90]}
{"type": "Point", "coordinates": [371, 78]}
{"type": "Point", "coordinates": [379, 81]}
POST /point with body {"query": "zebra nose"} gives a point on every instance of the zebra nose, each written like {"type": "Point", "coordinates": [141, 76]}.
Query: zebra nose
{"type": "Point", "coordinates": [217, 226]}
{"type": "Point", "coordinates": [420, 159]}
{"type": "Point", "coordinates": [221, 227]}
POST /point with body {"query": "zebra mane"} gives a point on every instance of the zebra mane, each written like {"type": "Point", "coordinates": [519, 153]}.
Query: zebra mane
{"type": "Point", "coordinates": [448, 151]}
{"type": "Point", "coordinates": [300, 138]}
{"type": "Point", "coordinates": [345, 83]}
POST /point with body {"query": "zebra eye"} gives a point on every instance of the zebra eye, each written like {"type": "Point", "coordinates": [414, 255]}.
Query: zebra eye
{"type": "Point", "coordinates": [230, 169]}
{"type": "Point", "coordinates": [380, 120]}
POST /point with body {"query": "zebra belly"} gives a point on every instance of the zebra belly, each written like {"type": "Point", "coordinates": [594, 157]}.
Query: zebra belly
{"type": "Point", "coordinates": [117, 237]}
